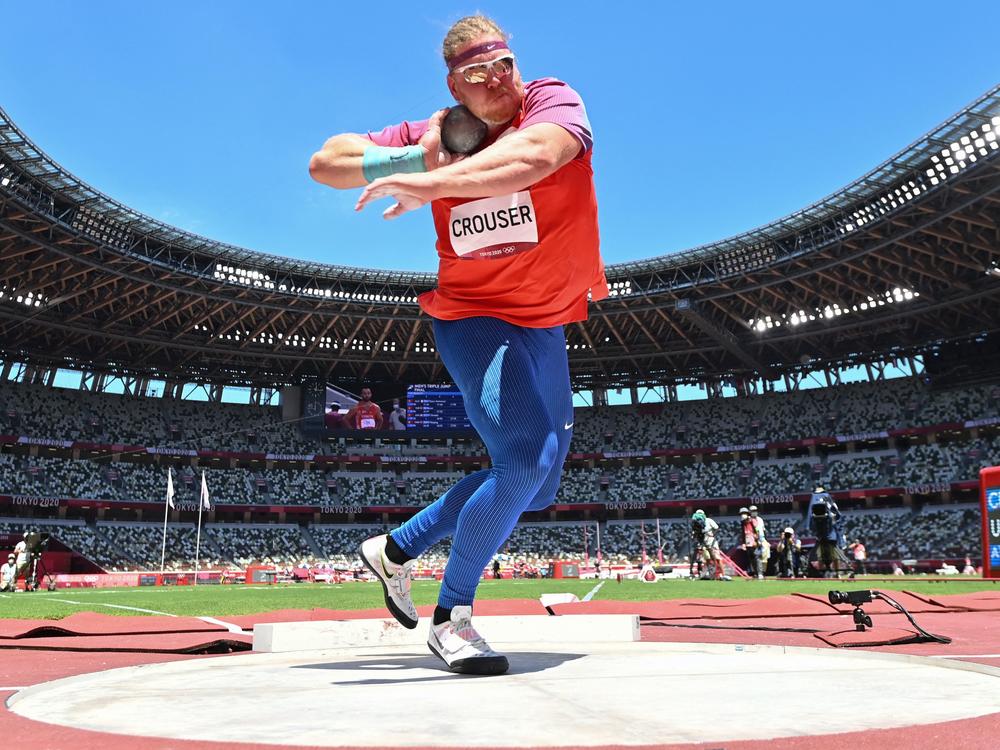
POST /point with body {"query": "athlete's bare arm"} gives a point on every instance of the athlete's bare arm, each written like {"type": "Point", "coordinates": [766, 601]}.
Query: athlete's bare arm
{"type": "Point", "coordinates": [511, 164]}
{"type": "Point", "coordinates": [338, 163]}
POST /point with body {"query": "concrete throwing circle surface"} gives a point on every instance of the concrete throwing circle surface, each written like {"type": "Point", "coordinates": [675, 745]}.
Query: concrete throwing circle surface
{"type": "Point", "coordinates": [578, 694]}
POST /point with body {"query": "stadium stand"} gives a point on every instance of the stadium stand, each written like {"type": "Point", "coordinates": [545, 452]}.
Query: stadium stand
{"type": "Point", "coordinates": [246, 544]}
{"type": "Point", "coordinates": [844, 410]}
{"type": "Point", "coordinates": [132, 476]}
{"type": "Point", "coordinates": [918, 464]}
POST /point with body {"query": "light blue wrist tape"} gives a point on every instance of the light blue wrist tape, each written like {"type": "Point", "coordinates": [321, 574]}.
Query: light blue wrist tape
{"type": "Point", "coordinates": [382, 161]}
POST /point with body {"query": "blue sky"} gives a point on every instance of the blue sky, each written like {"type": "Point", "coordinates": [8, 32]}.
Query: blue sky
{"type": "Point", "coordinates": [709, 118]}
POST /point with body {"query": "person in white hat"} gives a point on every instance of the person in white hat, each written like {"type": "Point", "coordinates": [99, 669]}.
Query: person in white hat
{"type": "Point", "coordinates": [8, 574]}
{"type": "Point", "coordinates": [748, 543]}
{"type": "Point", "coordinates": [763, 549]}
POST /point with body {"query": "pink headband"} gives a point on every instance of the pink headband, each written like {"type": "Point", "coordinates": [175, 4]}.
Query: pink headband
{"type": "Point", "coordinates": [479, 49]}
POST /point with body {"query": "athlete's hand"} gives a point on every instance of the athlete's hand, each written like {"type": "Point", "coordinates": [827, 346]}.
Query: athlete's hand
{"type": "Point", "coordinates": [435, 154]}
{"type": "Point", "coordinates": [411, 191]}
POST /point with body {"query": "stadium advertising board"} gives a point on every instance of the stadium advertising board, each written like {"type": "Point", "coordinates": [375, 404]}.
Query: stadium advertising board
{"type": "Point", "coordinates": [626, 454]}
{"type": "Point", "coordinates": [626, 505]}
{"type": "Point", "coordinates": [860, 436]}
{"type": "Point", "coordinates": [38, 502]}
{"type": "Point", "coordinates": [740, 447]}
{"type": "Point", "coordinates": [47, 442]}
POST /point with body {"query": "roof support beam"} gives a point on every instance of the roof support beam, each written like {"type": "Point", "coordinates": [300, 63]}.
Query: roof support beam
{"type": "Point", "coordinates": [689, 310]}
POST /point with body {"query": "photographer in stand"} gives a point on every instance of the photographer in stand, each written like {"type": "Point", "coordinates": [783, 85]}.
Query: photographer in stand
{"type": "Point", "coordinates": [789, 554]}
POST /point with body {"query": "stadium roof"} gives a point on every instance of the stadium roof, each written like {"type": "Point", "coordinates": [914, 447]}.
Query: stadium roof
{"type": "Point", "coordinates": [901, 259]}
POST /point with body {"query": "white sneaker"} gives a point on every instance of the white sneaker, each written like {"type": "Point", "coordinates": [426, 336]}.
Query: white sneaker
{"type": "Point", "coordinates": [395, 579]}
{"type": "Point", "coordinates": [459, 646]}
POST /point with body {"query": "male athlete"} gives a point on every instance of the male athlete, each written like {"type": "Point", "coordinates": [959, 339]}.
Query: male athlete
{"type": "Point", "coordinates": [366, 414]}
{"type": "Point", "coordinates": [519, 257]}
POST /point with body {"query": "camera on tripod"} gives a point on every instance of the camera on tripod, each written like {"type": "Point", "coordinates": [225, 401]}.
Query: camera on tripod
{"type": "Point", "coordinates": [822, 521]}
{"type": "Point", "coordinates": [850, 597]}
{"type": "Point", "coordinates": [855, 598]}
{"type": "Point", "coordinates": [36, 542]}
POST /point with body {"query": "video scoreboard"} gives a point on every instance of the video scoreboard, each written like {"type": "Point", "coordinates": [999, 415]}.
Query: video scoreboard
{"type": "Point", "coordinates": [435, 407]}
{"type": "Point", "coordinates": [989, 480]}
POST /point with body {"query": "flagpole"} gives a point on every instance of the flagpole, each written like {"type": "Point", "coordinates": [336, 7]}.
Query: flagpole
{"type": "Point", "coordinates": [197, 544]}
{"type": "Point", "coordinates": [598, 541]}
{"type": "Point", "coordinates": [166, 512]}
{"type": "Point", "coordinates": [659, 545]}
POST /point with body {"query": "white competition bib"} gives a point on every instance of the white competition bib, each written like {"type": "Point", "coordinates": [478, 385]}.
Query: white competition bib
{"type": "Point", "coordinates": [367, 423]}
{"type": "Point", "coordinates": [494, 227]}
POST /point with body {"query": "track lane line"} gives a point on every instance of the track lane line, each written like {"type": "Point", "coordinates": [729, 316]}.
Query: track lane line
{"type": "Point", "coordinates": [231, 627]}
{"type": "Point", "coordinates": [590, 594]}
{"type": "Point", "coordinates": [113, 606]}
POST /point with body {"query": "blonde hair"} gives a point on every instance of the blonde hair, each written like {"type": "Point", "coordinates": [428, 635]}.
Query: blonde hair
{"type": "Point", "coordinates": [468, 29]}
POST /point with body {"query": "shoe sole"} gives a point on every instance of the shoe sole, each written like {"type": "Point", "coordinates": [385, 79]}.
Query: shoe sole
{"type": "Point", "coordinates": [401, 617]}
{"type": "Point", "coordinates": [480, 665]}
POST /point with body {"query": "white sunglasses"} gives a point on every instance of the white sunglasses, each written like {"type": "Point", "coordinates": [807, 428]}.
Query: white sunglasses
{"type": "Point", "coordinates": [480, 72]}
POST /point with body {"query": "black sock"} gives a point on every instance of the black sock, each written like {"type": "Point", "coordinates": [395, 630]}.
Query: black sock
{"type": "Point", "coordinates": [395, 553]}
{"type": "Point", "coordinates": [442, 615]}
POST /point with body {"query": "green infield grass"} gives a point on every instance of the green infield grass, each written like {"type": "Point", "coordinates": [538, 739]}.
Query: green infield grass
{"type": "Point", "coordinates": [220, 601]}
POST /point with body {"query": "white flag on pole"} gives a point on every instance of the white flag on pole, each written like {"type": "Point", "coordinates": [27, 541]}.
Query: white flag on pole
{"type": "Point", "coordinates": [204, 492]}
{"type": "Point", "coordinates": [170, 489]}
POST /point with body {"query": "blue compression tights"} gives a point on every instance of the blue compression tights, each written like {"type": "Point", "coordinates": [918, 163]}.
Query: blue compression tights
{"type": "Point", "coordinates": [515, 384]}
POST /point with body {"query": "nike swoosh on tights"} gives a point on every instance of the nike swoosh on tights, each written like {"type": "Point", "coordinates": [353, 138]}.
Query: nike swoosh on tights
{"type": "Point", "coordinates": [567, 426]}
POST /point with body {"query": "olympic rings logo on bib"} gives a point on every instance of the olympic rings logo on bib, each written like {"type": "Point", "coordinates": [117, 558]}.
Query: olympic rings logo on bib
{"type": "Point", "coordinates": [494, 227]}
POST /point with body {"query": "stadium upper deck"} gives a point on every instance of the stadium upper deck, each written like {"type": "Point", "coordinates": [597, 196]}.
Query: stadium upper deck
{"type": "Point", "coordinates": [899, 262]}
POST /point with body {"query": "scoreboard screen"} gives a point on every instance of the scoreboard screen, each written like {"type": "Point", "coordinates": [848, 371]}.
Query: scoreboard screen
{"type": "Point", "coordinates": [435, 407]}
{"type": "Point", "coordinates": [992, 540]}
